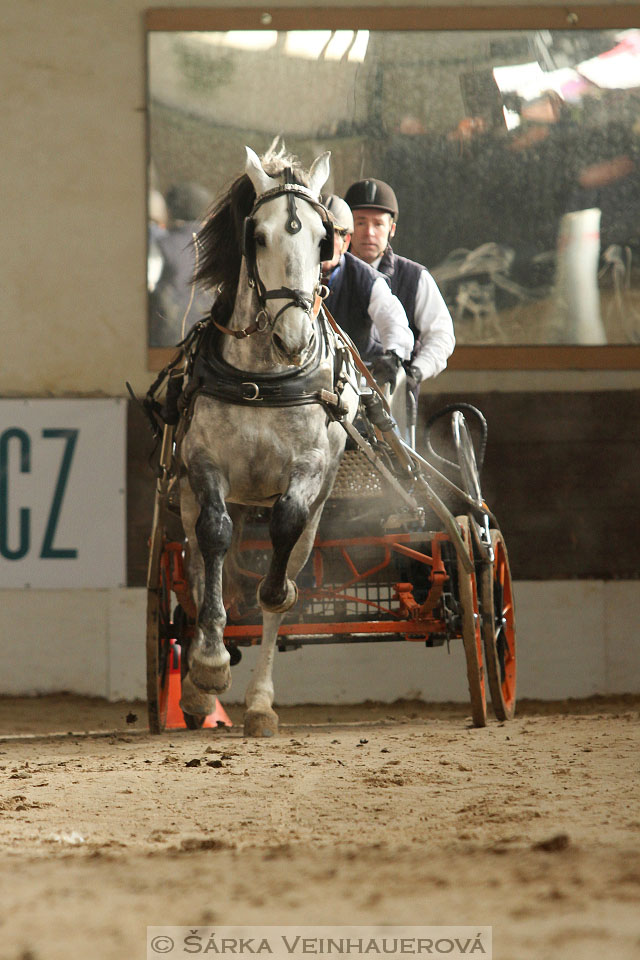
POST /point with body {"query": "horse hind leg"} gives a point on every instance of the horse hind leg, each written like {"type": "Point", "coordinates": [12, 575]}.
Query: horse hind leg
{"type": "Point", "coordinates": [237, 588]}
{"type": "Point", "coordinates": [209, 669]}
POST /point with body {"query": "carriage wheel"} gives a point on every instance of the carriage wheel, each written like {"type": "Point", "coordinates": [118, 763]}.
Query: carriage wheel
{"type": "Point", "coordinates": [159, 630]}
{"type": "Point", "coordinates": [471, 632]}
{"type": "Point", "coordinates": [194, 721]}
{"type": "Point", "coordinates": [498, 629]}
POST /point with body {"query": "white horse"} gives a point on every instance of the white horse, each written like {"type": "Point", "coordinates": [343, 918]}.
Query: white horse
{"type": "Point", "coordinates": [269, 383]}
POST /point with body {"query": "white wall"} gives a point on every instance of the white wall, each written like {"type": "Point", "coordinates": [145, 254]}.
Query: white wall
{"type": "Point", "coordinates": [575, 639]}
{"type": "Point", "coordinates": [72, 244]}
{"type": "Point", "coordinates": [73, 267]}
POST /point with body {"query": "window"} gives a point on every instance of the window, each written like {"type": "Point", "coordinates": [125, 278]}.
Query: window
{"type": "Point", "coordinates": [511, 138]}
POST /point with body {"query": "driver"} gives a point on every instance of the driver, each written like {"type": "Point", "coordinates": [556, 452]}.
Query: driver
{"type": "Point", "coordinates": [375, 210]}
{"type": "Point", "coordinates": [361, 301]}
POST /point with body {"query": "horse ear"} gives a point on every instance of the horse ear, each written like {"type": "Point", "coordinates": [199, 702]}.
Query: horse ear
{"type": "Point", "coordinates": [261, 181]}
{"type": "Point", "coordinates": [319, 173]}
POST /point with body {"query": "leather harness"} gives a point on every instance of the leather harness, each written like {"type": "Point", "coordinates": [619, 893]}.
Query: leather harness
{"type": "Point", "coordinates": [200, 363]}
{"type": "Point", "coordinates": [297, 298]}
{"type": "Point", "coordinates": [211, 376]}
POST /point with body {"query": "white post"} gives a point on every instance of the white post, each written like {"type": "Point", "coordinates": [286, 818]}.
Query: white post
{"type": "Point", "coordinates": [576, 294]}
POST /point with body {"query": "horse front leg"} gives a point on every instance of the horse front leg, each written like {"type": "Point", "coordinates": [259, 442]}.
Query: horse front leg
{"type": "Point", "coordinates": [209, 672]}
{"type": "Point", "coordinates": [289, 515]}
{"type": "Point", "coordinates": [293, 527]}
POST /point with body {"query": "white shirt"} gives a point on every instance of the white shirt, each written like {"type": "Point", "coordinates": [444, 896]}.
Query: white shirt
{"type": "Point", "coordinates": [432, 319]}
{"type": "Point", "coordinates": [390, 320]}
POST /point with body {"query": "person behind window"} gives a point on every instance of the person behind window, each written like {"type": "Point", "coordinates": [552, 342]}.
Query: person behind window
{"type": "Point", "coordinates": [158, 217]}
{"type": "Point", "coordinates": [361, 301]}
{"type": "Point", "coordinates": [172, 295]}
{"type": "Point", "coordinates": [375, 210]}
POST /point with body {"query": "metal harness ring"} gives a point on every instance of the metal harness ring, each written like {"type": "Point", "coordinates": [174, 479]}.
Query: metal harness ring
{"type": "Point", "coordinates": [262, 321]}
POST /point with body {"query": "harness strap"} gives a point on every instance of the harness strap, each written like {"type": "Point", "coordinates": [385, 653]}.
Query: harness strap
{"type": "Point", "coordinates": [255, 327]}
{"type": "Point", "coordinates": [262, 321]}
{"type": "Point", "coordinates": [293, 224]}
{"type": "Point", "coordinates": [298, 298]}
{"type": "Point", "coordinates": [355, 356]}
{"type": "Point", "coordinates": [155, 411]}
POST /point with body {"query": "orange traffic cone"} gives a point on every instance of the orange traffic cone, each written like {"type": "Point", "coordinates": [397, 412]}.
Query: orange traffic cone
{"type": "Point", "coordinates": [175, 717]}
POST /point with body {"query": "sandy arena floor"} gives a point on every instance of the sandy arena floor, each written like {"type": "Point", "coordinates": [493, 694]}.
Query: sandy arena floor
{"type": "Point", "coordinates": [398, 814]}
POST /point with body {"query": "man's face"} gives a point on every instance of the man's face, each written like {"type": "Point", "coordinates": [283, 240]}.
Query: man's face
{"type": "Point", "coordinates": [341, 241]}
{"type": "Point", "coordinates": [372, 232]}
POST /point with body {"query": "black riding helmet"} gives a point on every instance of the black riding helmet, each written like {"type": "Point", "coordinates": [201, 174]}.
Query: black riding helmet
{"type": "Point", "coordinates": [372, 193]}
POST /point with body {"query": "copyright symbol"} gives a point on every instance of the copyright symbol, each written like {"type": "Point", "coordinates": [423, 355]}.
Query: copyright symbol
{"type": "Point", "coordinates": [162, 944]}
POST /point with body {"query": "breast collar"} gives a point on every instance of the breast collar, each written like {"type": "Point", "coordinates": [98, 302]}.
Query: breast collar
{"type": "Point", "coordinates": [210, 375]}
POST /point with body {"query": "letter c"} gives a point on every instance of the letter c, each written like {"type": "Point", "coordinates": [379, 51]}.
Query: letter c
{"type": "Point", "coordinates": [25, 467]}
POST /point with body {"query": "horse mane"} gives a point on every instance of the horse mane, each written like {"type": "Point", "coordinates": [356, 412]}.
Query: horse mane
{"type": "Point", "coordinates": [219, 240]}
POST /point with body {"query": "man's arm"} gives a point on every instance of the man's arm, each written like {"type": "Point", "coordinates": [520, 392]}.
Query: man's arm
{"type": "Point", "coordinates": [436, 338]}
{"type": "Point", "coordinates": [388, 316]}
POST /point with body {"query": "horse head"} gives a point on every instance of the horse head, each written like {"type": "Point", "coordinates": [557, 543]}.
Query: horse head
{"type": "Point", "coordinates": [285, 239]}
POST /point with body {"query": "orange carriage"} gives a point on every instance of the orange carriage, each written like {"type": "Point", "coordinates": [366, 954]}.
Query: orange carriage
{"type": "Point", "coordinates": [407, 550]}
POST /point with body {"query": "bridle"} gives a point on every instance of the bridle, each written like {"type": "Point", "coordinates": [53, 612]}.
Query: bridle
{"type": "Point", "coordinates": [295, 298]}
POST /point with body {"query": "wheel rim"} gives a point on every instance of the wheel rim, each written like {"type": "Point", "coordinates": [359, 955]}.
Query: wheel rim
{"type": "Point", "coordinates": [184, 634]}
{"type": "Point", "coordinates": [165, 647]}
{"type": "Point", "coordinates": [499, 630]}
{"type": "Point", "coordinates": [504, 620]}
{"type": "Point", "coordinates": [159, 645]}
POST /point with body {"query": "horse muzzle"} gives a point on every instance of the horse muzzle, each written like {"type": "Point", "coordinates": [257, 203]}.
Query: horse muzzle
{"type": "Point", "coordinates": [294, 338]}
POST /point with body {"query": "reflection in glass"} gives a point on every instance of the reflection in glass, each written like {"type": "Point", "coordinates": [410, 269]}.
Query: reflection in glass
{"type": "Point", "coordinates": [514, 156]}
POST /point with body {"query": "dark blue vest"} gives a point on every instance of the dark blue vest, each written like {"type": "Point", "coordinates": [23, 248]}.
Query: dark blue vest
{"type": "Point", "coordinates": [403, 275]}
{"type": "Point", "coordinates": [348, 302]}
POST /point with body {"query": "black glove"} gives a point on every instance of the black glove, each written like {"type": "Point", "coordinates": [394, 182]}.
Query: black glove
{"type": "Point", "coordinates": [385, 368]}
{"type": "Point", "coordinates": [414, 376]}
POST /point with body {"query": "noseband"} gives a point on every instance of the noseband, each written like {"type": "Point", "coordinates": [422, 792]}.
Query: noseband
{"type": "Point", "coordinates": [295, 298]}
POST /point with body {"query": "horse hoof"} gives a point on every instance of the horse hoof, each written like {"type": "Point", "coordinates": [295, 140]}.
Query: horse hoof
{"type": "Point", "coordinates": [209, 679]}
{"type": "Point", "coordinates": [195, 701]}
{"type": "Point", "coordinates": [290, 599]}
{"type": "Point", "coordinates": [260, 724]}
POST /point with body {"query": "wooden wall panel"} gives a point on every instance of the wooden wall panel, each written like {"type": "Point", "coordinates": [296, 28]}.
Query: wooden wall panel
{"type": "Point", "coordinates": [561, 475]}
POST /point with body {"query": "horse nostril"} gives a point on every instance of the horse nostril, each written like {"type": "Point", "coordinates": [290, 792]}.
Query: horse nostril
{"type": "Point", "coordinates": [279, 344]}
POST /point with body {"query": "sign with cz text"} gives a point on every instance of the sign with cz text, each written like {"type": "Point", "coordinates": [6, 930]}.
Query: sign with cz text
{"type": "Point", "coordinates": [62, 493]}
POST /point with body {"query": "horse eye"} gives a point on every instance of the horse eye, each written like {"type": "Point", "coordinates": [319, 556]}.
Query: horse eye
{"type": "Point", "coordinates": [260, 240]}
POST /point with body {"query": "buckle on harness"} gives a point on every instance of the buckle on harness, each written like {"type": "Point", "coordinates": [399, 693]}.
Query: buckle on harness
{"type": "Point", "coordinates": [254, 389]}
{"type": "Point", "coordinates": [262, 321]}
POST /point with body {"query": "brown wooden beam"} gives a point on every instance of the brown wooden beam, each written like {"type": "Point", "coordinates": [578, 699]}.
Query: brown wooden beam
{"type": "Point", "coordinates": [572, 16]}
